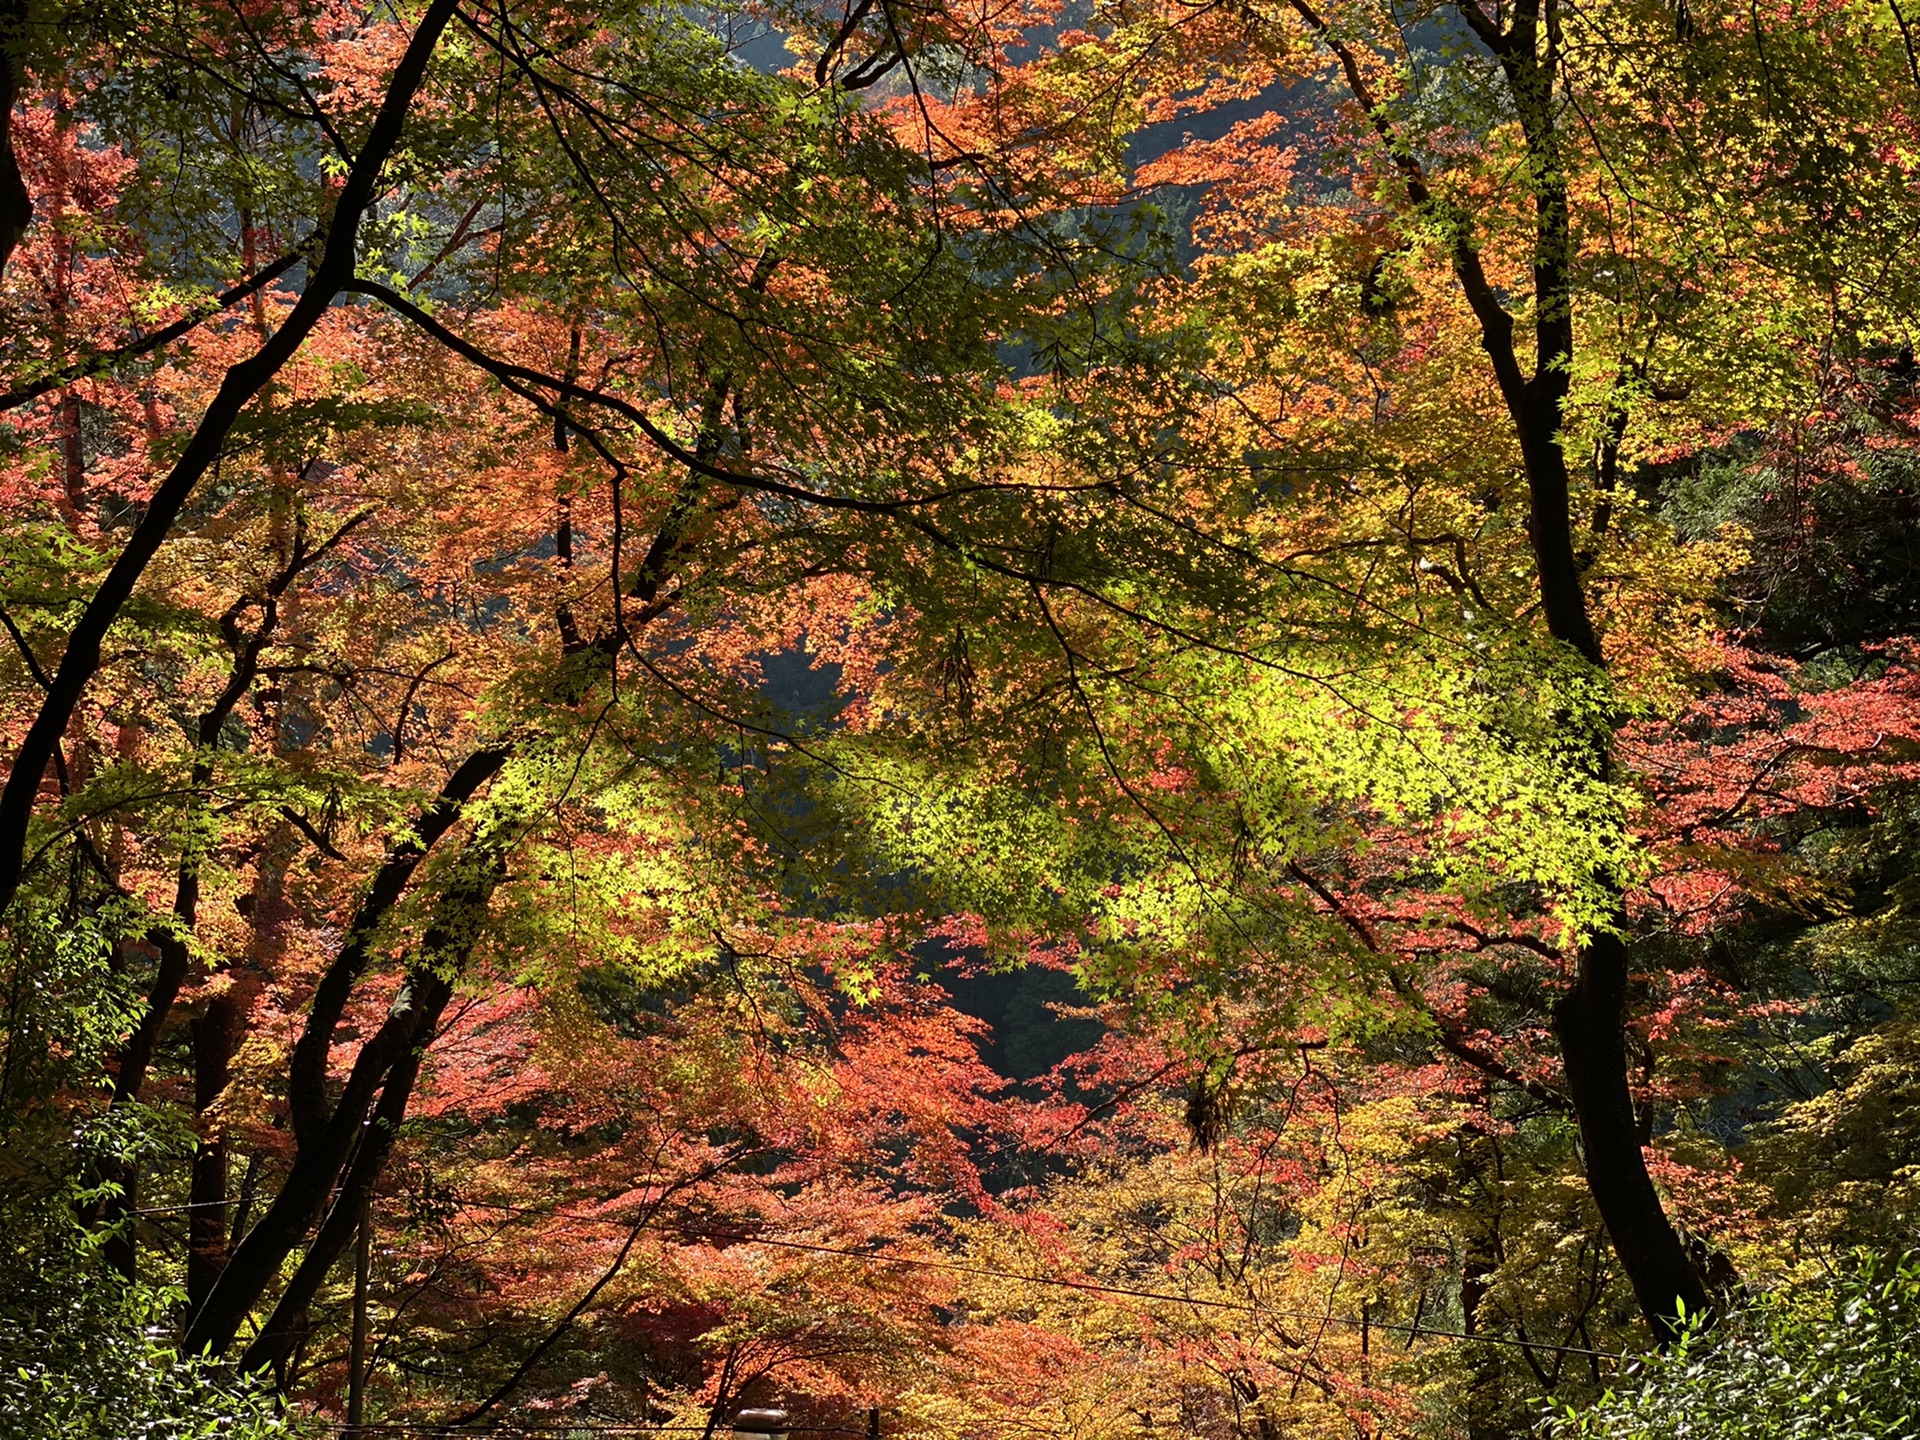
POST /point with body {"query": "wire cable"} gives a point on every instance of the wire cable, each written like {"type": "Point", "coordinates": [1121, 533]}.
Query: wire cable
{"type": "Point", "coordinates": [1095, 1287]}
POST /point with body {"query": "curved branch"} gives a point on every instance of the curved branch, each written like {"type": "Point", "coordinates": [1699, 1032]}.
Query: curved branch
{"type": "Point", "coordinates": [1447, 1034]}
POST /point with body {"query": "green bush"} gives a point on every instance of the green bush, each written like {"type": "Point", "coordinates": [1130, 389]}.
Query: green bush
{"type": "Point", "coordinates": [83, 1359]}
{"type": "Point", "coordinates": [1840, 1361]}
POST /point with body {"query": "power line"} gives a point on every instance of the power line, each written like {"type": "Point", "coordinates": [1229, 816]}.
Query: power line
{"type": "Point", "coordinates": [1096, 1287]}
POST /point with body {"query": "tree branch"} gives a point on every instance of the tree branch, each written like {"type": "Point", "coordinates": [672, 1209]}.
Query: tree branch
{"type": "Point", "coordinates": [242, 384]}
{"type": "Point", "coordinates": [105, 360]}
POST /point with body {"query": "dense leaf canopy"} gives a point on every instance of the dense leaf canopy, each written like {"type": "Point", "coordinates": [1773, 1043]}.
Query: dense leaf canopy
{"type": "Point", "coordinates": [1036, 720]}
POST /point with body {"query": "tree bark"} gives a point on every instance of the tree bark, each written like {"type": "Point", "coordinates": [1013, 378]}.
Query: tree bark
{"type": "Point", "coordinates": [287, 1326]}
{"type": "Point", "coordinates": [1590, 1023]}
{"type": "Point", "coordinates": [1590, 1019]}
{"type": "Point", "coordinates": [385, 1067]}
{"type": "Point", "coordinates": [303, 1196]}
{"type": "Point", "coordinates": [307, 1069]}
{"type": "Point", "coordinates": [215, 1035]}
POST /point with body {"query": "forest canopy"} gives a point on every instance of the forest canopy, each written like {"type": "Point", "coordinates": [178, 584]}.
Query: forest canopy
{"type": "Point", "coordinates": [1037, 720]}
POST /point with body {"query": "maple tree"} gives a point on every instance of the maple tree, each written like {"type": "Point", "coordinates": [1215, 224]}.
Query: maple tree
{"type": "Point", "coordinates": [1404, 595]}
{"type": "Point", "coordinates": [381, 739]}
{"type": "Point", "coordinates": [1365, 269]}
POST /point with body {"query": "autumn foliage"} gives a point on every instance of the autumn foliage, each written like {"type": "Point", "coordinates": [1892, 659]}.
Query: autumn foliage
{"type": "Point", "coordinates": [1018, 721]}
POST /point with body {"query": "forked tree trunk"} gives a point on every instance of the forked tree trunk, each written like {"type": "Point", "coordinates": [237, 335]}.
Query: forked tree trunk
{"type": "Point", "coordinates": [1590, 1019]}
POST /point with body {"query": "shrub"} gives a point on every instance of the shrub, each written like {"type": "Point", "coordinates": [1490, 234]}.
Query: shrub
{"type": "Point", "coordinates": [84, 1359]}
{"type": "Point", "coordinates": [1839, 1361]}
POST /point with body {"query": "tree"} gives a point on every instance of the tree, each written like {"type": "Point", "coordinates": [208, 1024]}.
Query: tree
{"type": "Point", "coordinates": [1549, 199]}
{"type": "Point", "coordinates": [327, 721]}
{"type": "Point", "coordinates": [1367, 630]}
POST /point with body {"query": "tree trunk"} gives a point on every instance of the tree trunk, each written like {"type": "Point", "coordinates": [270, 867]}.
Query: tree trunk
{"type": "Point", "coordinates": [215, 1035]}
{"type": "Point", "coordinates": [1590, 1023]}
{"type": "Point", "coordinates": [288, 1323]}
{"type": "Point", "coordinates": [385, 1068]}
{"type": "Point", "coordinates": [304, 1194]}
{"type": "Point", "coordinates": [16, 206]}
{"type": "Point", "coordinates": [1590, 1020]}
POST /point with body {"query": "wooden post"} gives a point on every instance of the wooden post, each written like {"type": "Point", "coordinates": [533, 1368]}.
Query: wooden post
{"type": "Point", "coordinates": [873, 1423]}
{"type": "Point", "coordinates": [357, 1358]}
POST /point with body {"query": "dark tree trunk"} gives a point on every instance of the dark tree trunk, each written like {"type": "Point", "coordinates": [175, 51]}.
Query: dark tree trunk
{"type": "Point", "coordinates": [1590, 1022]}
{"type": "Point", "coordinates": [136, 1056]}
{"type": "Point", "coordinates": [382, 1072]}
{"type": "Point", "coordinates": [121, 1250]}
{"type": "Point", "coordinates": [215, 1221]}
{"type": "Point", "coordinates": [215, 1034]}
{"type": "Point", "coordinates": [16, 206]}
{"type": "Point", "coordinates": [303, 1196]}
{"type": "Point", "coordinates": [288, 1323]}
{"type": "Point", "coordinates": [307, 1068]}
